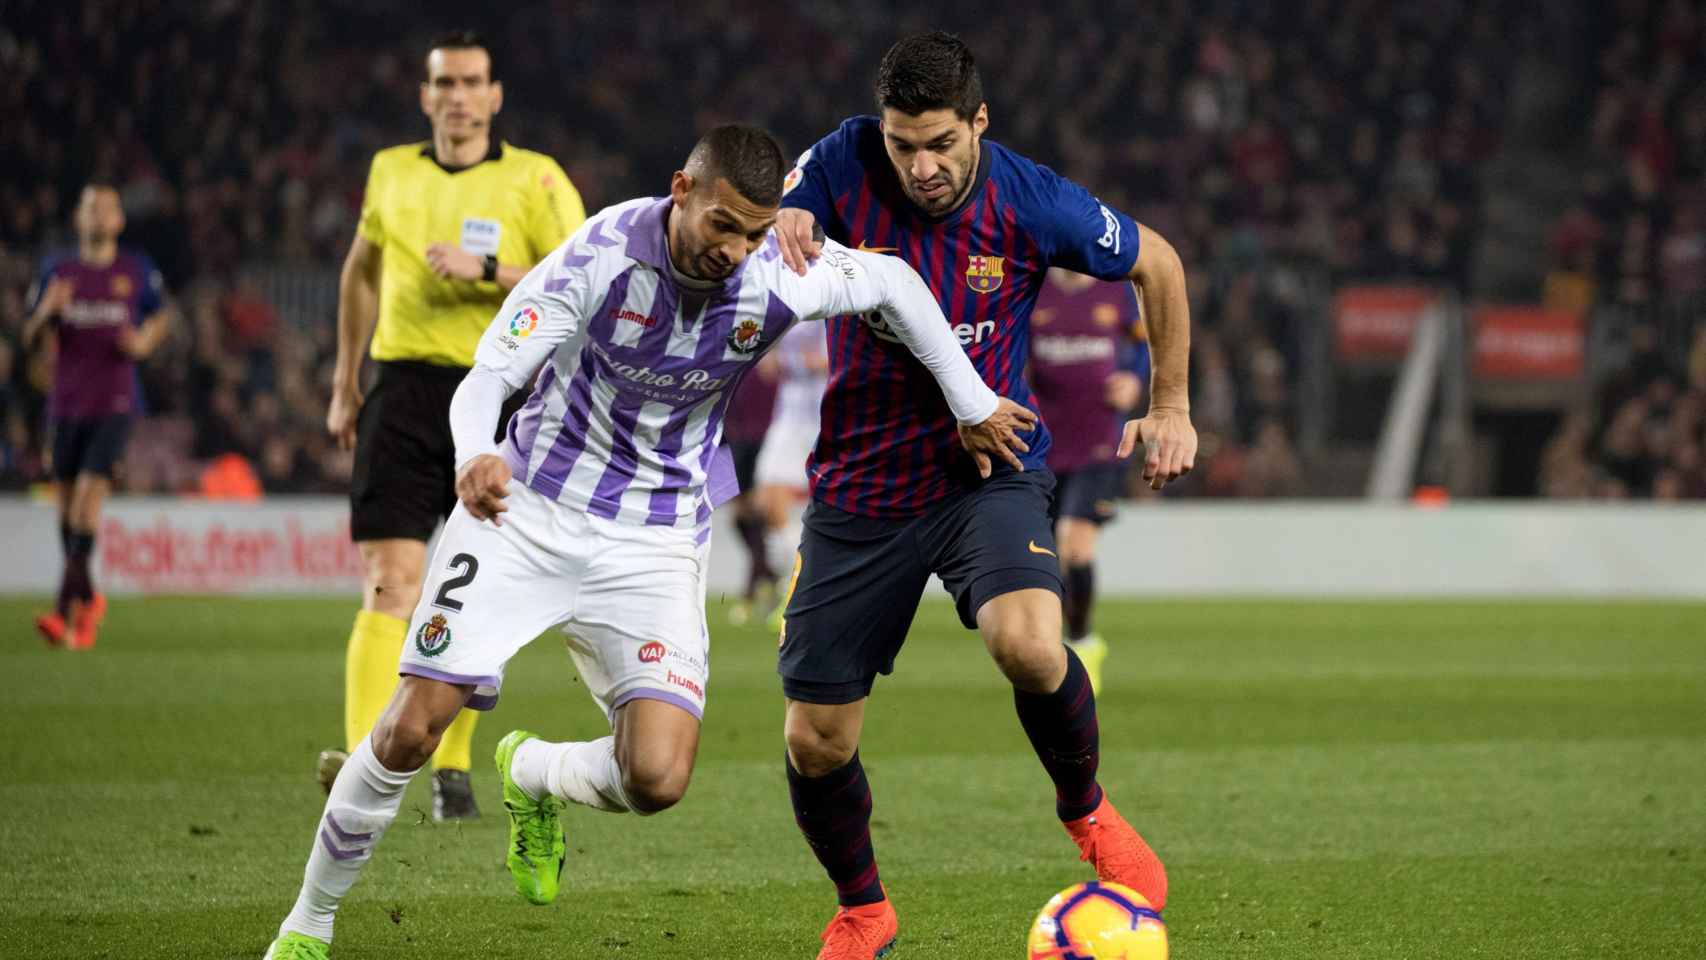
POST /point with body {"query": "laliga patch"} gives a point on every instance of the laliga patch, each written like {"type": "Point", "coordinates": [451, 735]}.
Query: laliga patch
{"type": "Point", "coordinates": [481, 237]}
{"type": "Point", "coordinates": [525, 321]}
{"type": "Point", "coordinates": [797, 174]}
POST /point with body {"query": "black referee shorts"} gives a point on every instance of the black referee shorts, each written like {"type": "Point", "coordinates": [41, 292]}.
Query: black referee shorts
{"type": "Point", "coordinates": [404, 481]}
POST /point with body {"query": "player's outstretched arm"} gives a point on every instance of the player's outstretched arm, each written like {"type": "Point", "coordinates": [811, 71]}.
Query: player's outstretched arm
{"type": "Point", "coordinates": [1169, 440]}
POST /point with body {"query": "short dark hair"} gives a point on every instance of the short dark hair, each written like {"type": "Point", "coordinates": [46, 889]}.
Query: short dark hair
{"type": "Point", "coordinates": [461, 40]}
{"type": "Point", "coordinates": [930, 71]}
{"type": "Point", "coordinates": [748, 157]}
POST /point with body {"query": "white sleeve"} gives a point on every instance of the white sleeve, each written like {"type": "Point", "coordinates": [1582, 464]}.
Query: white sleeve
{"type": "Point", "coordinates": [474, 413]}
{"type": "Point", "coordinates": [844, 281]}
{"type": "Point", "coordinates": [547, 309]}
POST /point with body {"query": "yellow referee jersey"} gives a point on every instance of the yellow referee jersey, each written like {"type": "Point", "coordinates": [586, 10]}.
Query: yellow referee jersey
{"type": "Point", "coordinates": [516, 204]}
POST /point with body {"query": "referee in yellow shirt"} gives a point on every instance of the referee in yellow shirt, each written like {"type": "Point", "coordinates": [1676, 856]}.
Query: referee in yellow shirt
{"type": "Point", "coordinates": [447, 228]}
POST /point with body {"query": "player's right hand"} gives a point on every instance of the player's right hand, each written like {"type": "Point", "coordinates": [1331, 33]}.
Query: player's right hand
{"type": "Point", "coordinates": [794, 233]}
{"type": "Point", "coordinates": [482, 484]}
{"type": "Point", "coordinates": [58, 295]}
{"type": "Point", "coordinates": [999, 435]}
{"type": "Point", "coordinates": [341, 418]}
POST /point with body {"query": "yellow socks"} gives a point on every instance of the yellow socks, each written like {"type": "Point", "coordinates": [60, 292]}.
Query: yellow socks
{"type": "Point", "coordinates": [370, 671]}
{"type": "Point", "coordinates": [455, 748]}
{"type": "Point", "coordinates": [370, 677]}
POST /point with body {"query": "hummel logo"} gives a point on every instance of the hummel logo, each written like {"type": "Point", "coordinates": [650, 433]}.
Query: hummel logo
{"type": "Point", "coordinates": [865, 249]}
{"type": "Point", "coordinates": [1042, 550]}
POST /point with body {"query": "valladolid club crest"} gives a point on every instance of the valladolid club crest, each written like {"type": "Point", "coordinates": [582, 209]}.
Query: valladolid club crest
{"type": "Point", "coordinates": [433, 636]}
{"type": "Point", "coordinates": [745, 336]}
{"type": "Point", "coordinates": [984, 274]}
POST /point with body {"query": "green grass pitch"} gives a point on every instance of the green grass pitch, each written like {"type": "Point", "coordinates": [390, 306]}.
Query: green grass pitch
{"type": "Point", "coordinates": [1324, 780]}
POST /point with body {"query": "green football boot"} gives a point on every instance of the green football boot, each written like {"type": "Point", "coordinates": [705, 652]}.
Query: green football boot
{"type": "Point", "coordinates": [298, 946]}
{"type": "Point", "coordinates": [536, 847]}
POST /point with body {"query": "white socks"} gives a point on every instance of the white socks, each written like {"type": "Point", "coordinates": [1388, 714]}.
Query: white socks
{"type": "Point", "coordinates": [583, 773]}
{"type": "Point", "coordinates": [363, 802]}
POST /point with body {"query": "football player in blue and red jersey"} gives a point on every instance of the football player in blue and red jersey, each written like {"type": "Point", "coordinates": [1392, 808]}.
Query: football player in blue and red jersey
{"type": "Point", "coordinates": [893, 498]}
{"type": "Point", "coordinates": [106, 308]}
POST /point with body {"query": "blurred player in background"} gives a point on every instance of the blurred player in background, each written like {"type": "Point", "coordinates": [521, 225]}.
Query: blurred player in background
{"type": "Point", "coordinates": [106, 309]}
{"type": "Point", "coordinates": [1089, 364]}
{"type": "Point", "coordinates": [447, 228]}
{"type": "Point", "coordinates": [890, 503]}
{"type": "Point", "coordinates": [803, 361]}
{"type": "Point", "coordinates": [744, 427]}
{"type": "Point", "coordinates": [593, 515]}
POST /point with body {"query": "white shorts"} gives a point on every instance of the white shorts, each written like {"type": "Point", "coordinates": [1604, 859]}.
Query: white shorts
{"type": "Point", "coordinates": [782, 459]}
{"type": "Point", "coordinates": [630, 600]}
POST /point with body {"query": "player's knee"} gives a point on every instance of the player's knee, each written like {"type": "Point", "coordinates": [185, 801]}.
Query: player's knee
{"type": "Point", "coordinates": [1029, 654]}
{"type": "Point", "coordinates": [403, 740]}
{"type": "Point", "coordinates": [393, 587]}
{"type": "Point", "coordinates": [815, 752]}
{"type": "Point", "coordinates": [654, 786]}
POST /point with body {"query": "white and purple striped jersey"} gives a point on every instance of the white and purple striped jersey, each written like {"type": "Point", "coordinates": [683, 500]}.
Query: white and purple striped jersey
{"type": "Point", "coordinates": [636, 366]}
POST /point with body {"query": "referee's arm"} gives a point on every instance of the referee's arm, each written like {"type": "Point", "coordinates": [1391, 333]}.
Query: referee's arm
{"type": "Point", "coordinates": [358, 312]}
{"type": "Point", "coordinates": [454, 263]}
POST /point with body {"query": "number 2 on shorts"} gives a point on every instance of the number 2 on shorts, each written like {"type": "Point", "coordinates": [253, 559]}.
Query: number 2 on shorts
{"type": "Point", "coordinates": [468, 567]}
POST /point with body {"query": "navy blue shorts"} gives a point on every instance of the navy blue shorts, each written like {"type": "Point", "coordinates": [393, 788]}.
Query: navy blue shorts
{"type": "Point", "coordinates": [859, 579]}
{"type": "Point", "coordinates": [89, 445]}
{"type": "Point", "coordinates": [1089, 493]}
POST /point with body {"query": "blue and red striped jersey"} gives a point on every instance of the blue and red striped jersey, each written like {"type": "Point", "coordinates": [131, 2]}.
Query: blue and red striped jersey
{"type": "Point", "coordinates": [888, 445]}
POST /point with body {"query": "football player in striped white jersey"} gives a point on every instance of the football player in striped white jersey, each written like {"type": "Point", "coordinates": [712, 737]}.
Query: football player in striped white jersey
{"type": "Point", "coordinates": [593, 515]}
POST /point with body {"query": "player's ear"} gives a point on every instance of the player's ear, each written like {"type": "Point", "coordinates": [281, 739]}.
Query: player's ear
{"type": "Point", "coordinates": [426, 108]}
{"type": "Point", "coordinates": [680, 185]}
{"type": "Point", "coordinates": [980, 120]}
{"type": "Point", "coordinates": [497, 96]}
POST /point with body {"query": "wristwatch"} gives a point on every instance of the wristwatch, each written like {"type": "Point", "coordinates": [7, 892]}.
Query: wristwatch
{"type": "Point", "coordinates": [489, 271]}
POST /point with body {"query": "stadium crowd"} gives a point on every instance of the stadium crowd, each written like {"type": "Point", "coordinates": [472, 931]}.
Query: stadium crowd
{"type": "Point", "coordinates": [1635, 244]}
{"type": "Point", "coordinates": [1342, 137]}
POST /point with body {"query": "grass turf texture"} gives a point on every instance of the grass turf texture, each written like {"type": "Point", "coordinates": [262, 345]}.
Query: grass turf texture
{"type": "Point", "coordinates": [1324, 780]}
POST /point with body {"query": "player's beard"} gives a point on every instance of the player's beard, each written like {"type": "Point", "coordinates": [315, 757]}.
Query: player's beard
{"type": "Point", "coordinates": [950, 199]}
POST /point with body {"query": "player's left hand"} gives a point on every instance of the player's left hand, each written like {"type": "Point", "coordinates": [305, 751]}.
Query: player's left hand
{"type": "Point", "coordinates": [131, 343]}
{"type": "Point", "coordinates": [454, 263]}
{"type": "Point", "coordinates": [1169, 444]}
{"type": "Point", "coordinates": [481, 485]}
{"type": "Point", "coordinates": [999, 435]}
{"type": "Point", "coordinates": [1122, 389]}
{"type": "Point", "coordinates": [796, 235]}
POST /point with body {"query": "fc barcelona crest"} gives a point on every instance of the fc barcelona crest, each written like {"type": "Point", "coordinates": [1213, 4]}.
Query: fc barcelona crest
{"type": "Point", "coordinates": [121, 285]}
{"type": "Point", "coordinates": [984, 274]}
{"type": "Point", "coordinates": [433, 636]}
{"type": "Point", "coordinates": [744, 338]}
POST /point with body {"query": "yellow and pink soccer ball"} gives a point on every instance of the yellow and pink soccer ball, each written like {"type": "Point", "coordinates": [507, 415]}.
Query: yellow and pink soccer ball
{"type": "Point", "coordinates": [1098, 921]}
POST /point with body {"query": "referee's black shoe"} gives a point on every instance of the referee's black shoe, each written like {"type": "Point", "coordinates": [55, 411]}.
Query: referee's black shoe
{"type": "Point", "coordinates": [453, 796]}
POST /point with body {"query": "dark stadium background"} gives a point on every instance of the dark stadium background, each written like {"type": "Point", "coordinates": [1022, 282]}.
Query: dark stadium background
{"type": "Point", "coordinates": [1495, 152]}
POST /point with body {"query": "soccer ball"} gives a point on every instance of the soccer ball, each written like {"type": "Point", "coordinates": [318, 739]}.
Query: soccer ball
{"type": "Point", "coordinates": [1098, 921]}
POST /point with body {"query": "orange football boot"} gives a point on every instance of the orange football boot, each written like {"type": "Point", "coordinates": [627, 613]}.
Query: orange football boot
{"type": "Point", "coordinates": [1119, 854]}
{"type": "Point", "coordinates": [86, 622]}
{"type": "Point", "coordinates": [51, 626]}
{"type": "Point", "coordinates": [860, 933]}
